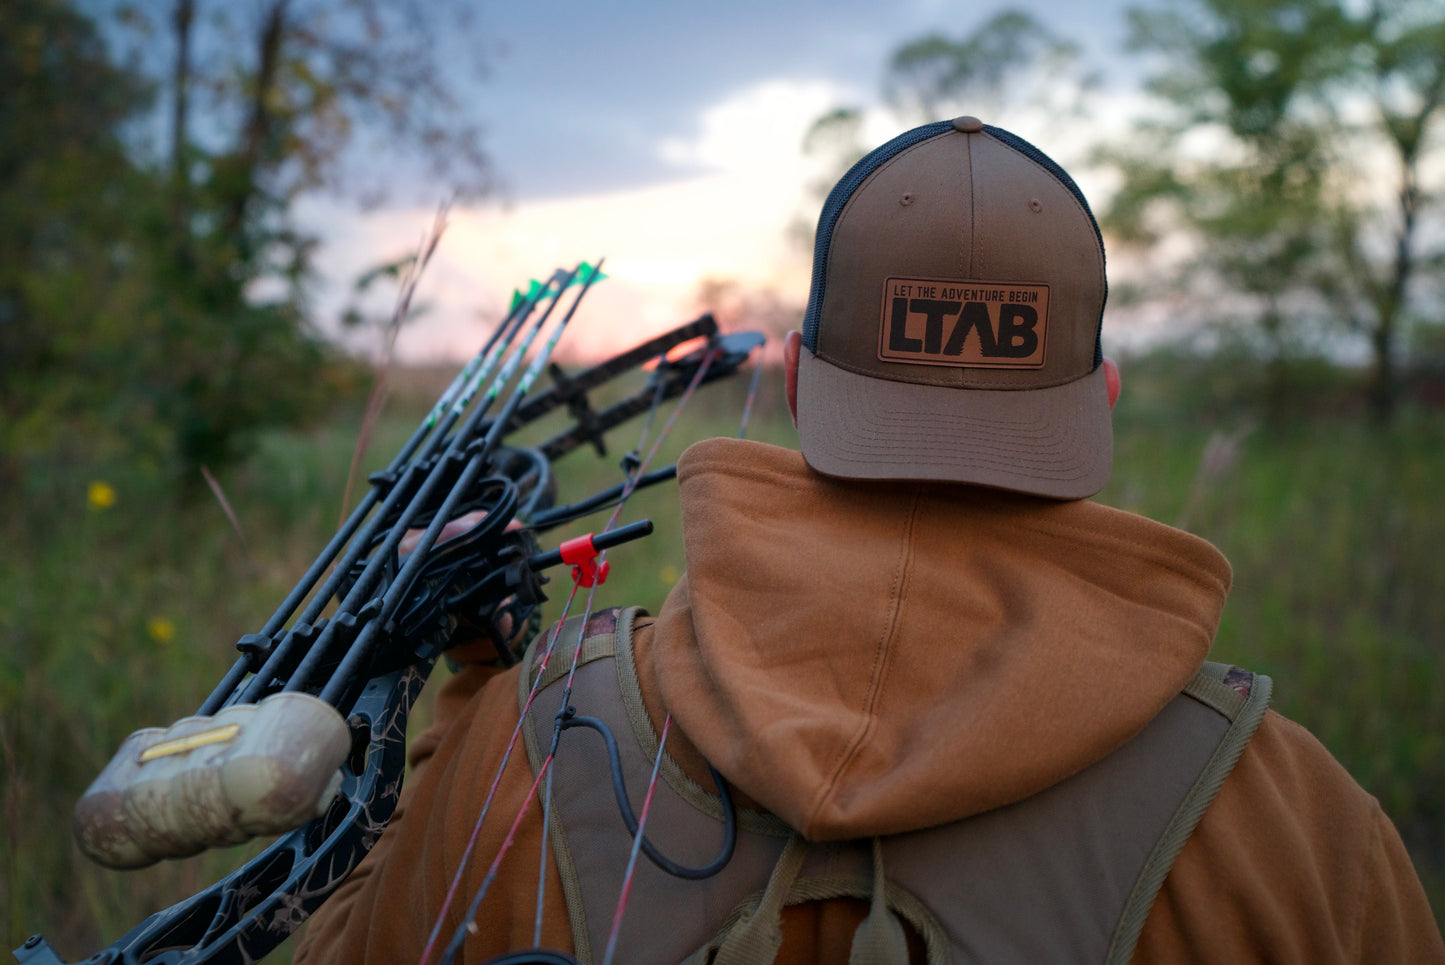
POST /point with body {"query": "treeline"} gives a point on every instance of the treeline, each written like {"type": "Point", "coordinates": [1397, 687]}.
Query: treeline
{"type": "Point", "coordinates": [154, 285]}
{"type": "Point", "coordinates": [1280, 194]}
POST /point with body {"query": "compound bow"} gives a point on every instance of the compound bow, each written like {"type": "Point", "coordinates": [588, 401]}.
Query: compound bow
{"type": "Point", "coordinates": [322, 692]}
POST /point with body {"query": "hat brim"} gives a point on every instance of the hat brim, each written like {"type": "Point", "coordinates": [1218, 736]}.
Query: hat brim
{"type": "Point", "coordinates": [1056, 441]}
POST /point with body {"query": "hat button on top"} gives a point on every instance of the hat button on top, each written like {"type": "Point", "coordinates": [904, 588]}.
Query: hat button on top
{"type": "Point", "coordinates": [968, 124]}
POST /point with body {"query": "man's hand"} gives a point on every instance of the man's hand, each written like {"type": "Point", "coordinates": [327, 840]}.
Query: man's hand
{"type": "Point", "coordinates": [451, 530]}
{"type": "Point", "coordinates": [505, 631]}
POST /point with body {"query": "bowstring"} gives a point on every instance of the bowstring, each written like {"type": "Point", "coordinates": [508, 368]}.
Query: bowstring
{"type": "Point", "coordinates": [627, 491]}
{"type": "Point", "coordinates": [751, 397]}
{"type": "Point", "coordinates": [626, 891]}
{"type": "Point", "coordinates": [706, 363]}
{"type": "Point", "coordinates": [493, 436]}
{"type": "Point", "coordinates": [467, 925]}
{"type": "Point", "coordinates": [496, 782]}
{"type": "Point", "coordinates": [468, 920]}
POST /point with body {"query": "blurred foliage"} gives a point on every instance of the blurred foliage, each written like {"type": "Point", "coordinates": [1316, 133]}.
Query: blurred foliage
{"type": "Point", "coordinates": [1286, 190]}
{"type": "Point", "coordinates": [117, 332]}
{"type": "Point", "coordinates": [1295, 154]}
{"type": "Point", "coordinates": [1011, 62]}
{"type": "Point", "coordinates": [153, 320]}
{"type": "Point", "coordinates": [738, 307]}
{"type": "Point", "coordinates": [154, 300]}
{"type": "Point", "coordinates": [1328, 521]}
{"type": "Point", "coordinates": [266, 98]}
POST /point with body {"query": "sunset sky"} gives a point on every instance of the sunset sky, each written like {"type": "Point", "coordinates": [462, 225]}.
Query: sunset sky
{"type": "Point", "coordinates": [665, 137]}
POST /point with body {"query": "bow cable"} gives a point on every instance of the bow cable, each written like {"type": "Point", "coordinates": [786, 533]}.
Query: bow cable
{"type": "Point", "coordinates": [636, 472]}
{"type": "Point", "coordinates": [341, 681]}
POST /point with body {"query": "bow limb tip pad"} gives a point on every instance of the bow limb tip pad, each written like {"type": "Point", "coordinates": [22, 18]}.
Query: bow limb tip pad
{"type": "Point", "coordinates": [210, 781]}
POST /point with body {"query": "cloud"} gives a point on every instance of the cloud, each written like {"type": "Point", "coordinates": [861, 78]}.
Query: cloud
{"type": "Point", "coordinates": [759, 129]}
{"type": "Point", "coordinates": [660, 241]}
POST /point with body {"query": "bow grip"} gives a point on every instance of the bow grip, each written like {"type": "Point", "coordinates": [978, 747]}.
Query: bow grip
{"type": "Point", "coordinates": [203, 782]}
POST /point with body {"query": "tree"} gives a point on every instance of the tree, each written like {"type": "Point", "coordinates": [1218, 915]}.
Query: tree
{"type": "Point", "coordinates": [1306, 109]}
{"type": "Point", "coordinates": [284, 93]}
{"type": "Point", "coordinates": [64, 183]}
{"type": "Point", "coordinates": [172, 314]}
{"type": "Point", "coordinates": [287, 90]}
{"type": "Point", "coordinates": [1012, 63]}
{"type": "Point", "coordinates": [1012, 66]}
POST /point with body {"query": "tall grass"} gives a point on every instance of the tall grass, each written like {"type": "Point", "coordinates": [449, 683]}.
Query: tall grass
{"type": "Point", "coordinates": [1335, 534]}
{"type": "Point", "coordinates": [118, 616]}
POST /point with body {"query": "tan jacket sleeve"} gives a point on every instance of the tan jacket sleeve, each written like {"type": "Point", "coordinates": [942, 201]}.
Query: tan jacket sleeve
{"type": "Point", "coordinates": [1293, 863]}
{"type": "Point", "coordinates": [385, 911]}
{"type": "Point", "coordinates": [1396, 922]}
{"type": "Point", "coordinates": [337, 922]}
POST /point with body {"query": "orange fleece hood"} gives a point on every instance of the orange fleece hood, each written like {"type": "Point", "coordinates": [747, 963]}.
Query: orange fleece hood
{"type": "Point", "coordinates": [866, 658]}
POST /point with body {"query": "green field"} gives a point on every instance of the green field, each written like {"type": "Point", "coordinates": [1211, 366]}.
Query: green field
{"type": "Point", "coordinates": [119, 603]}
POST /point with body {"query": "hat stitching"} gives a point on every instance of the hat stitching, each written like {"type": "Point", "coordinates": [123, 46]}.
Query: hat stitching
{"type": "Point", "coordinates": [833, 209]}
{"type": "Point", "coordinates": [972, 215]}
{"type": "Point", "coordinates": [1029, 152]}
{"type": "Point", "coordinates": [962, 372]}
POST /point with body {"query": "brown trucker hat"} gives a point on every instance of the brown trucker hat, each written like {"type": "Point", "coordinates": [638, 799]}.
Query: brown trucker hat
{"type": "Point", "coordinates": [952, 329]}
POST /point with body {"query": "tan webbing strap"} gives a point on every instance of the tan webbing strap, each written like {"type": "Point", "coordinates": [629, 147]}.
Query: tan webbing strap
{"type": "Point", "coordinates": [593, 648]}
{"type": "Point", "coordinates": [671, 772]}
{"type": "Point", "coordinates": [758, 934]}
{"type": "Point", "coordinates": [825, 877]}
{"type": "Point", "coordinates": [1208, 687]}
{"type": "Point", "coordinates": [1245, 712]}
{"type": "Point", "coordinates": [558, 664]}
{"type": "Point", "coordinates": [879, 939]}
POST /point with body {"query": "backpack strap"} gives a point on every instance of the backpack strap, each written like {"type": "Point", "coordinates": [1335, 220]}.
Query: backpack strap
{"type": "Point", "coordinates": [589, 641]}
{"type": "Point", "coordinates": [1007, 867]}
{"type": "Point", "coordinates": [589, 839]}
{"type": "Point", "coordinates": [1242, 697]}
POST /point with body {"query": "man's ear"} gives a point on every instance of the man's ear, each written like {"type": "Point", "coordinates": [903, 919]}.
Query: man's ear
{"type": "Point", "coordinates": [1111, 380]}
{"type": "Point", "coordinates": [792, 347]}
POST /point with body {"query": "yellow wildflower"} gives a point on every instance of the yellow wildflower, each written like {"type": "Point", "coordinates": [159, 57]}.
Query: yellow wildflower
{"type": "Point", "coordinates": [101, 495]}
{"type": "Point", "coordinates": [162, 631]}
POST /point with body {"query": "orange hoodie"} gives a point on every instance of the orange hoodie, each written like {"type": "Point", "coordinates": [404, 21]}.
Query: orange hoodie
{"type": "Point", "coordinates": [871, 659]}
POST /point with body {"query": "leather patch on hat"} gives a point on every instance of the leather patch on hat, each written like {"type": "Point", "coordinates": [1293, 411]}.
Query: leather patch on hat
{"type": "Point", "coordinates": [948, 321]}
